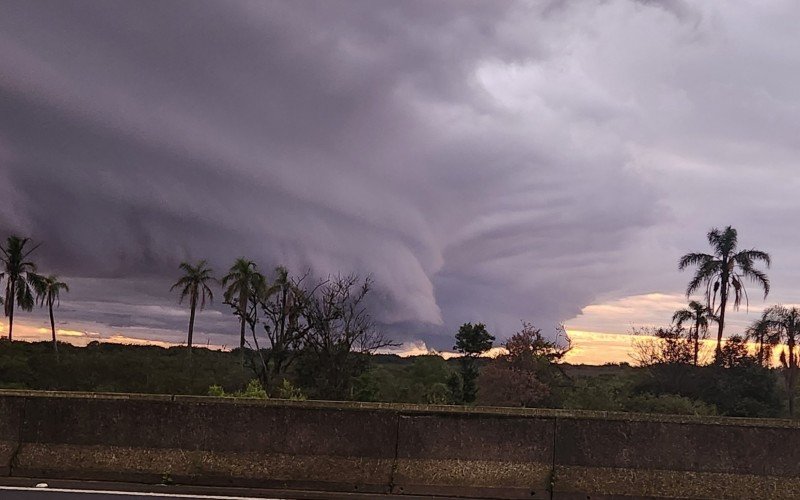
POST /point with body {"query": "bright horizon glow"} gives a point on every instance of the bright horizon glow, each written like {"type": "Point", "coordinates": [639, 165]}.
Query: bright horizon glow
{"type": "Point", "coordinates": [588, 347]}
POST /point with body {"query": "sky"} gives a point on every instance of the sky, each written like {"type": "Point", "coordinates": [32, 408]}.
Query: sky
{"type": "Point", "coordinates": [484, 161]}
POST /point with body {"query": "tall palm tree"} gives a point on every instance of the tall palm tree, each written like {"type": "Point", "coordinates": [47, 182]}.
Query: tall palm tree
{"type": "Point", "coordinates": [259, 290]}
{"type": "Point", "coordinates": [724, 272]}
{"type": "Point", "coordinates": [18, 271]}
{"type": "Point", "coordinates": [698, 314]}
{"type": "Point", "coordinates": [194, 284]}
{"type": "Point", "coordinates": [48, 290]}
{"type": "Point", "coordinates": [239, 288]}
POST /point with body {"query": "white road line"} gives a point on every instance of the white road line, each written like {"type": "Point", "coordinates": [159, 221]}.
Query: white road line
{"type": "Point", "coordinates": [130, 493]}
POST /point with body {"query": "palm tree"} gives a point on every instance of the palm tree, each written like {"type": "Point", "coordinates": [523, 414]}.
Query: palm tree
{"type": "Point", "coordinates": [700, 315]}
{"type": "Point", "coordinates": [17, 271]}
{"type": "Point", "coordinates": [48, 290]}
{"type": "Point", "coordinates": [259, 290]}
{"type": "Point", "coordinates": [239, 284]}
{"type": "Point", "coordinates": [194, 284]}
{"type": "Point", "coordinates": [766, 336]}
{"type": "Point", "coordinates": [787, 321]}
{"type": "Point", "coordinates": [283, 306]}
{"type": "Point", "coordinates": [725, 269]}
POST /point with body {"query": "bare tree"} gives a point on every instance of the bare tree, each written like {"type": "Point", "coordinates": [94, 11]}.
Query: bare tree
{"type": "Point", "coordinates": [341, 328]}
{"type": "Point", "coordinates": [285, 321]}
{"type": "Point", "coordinates": [662, 346]}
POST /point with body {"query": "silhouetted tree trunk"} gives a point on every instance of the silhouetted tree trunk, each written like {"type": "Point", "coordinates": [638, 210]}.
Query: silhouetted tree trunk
{"type": "Point", "coordinates": [10, 313]}
{"type": "Point", "coordinates": [723, 302]}
{"type": "Point", "coordinates": [52, 324]}
{"type": "Point", "coordinates": [241, 339]}
{"type": "Point", "coordinates": [191, 322]}
{"type": "Point", "coordinates": [791, 376]}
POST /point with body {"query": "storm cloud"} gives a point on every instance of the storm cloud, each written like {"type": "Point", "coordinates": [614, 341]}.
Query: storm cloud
{"type": "Point", "coordinates": [484, 161]}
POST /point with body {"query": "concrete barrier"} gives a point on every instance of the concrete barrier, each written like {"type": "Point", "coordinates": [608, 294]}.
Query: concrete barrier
{"type": "Point", "coordinates": [475, 455]}
{"type": "Point", "coordinates": [394, 449]}
{"type": "Point", "coordinates": [649, 456]}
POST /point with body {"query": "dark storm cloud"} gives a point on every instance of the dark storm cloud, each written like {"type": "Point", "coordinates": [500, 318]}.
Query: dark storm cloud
{"type": "Point", "coordinates": [485, 161]}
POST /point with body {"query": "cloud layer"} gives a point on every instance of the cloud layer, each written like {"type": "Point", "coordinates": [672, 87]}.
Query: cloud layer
{"type": "Point", "coordinates": [485, 161]}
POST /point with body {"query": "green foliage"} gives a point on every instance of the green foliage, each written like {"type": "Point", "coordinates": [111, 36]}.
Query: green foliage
{"type": "Point", "coordinates": [216, 391]}
{"type": "Point", "coordinates": [743, 390]}
{"type": "Point", "coordinates": [425, 380]}
{"type": "Point", "coordinates": [253, 390]}
{"type": "Point", "coordinates": [528, 375]}
{"type": "Point", "coordinates": [620, 393]}
{"type": "Point", "coordinates": [473, 340]}
{"type": "Point", "coordinates": [117, 368]}
{"type": "Point", "coordinates": [288, 391]}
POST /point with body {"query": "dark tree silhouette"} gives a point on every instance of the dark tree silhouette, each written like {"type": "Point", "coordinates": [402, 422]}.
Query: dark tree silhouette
{"type": "Point", "coordinates": [18, 272]}
{"type": "Point", "coordinates": [239, 288]}
{"type": "Point", "coordinates": [734, 352]}
{"type": "Point", "coordinates": [528, 373]}
{"type": "Point", "coordinates": [194, 285]}
{"type": "Point", "coordinates": [668, 346]}
{"type": "Point", "coordinates": [342, 332]}
{"type": "Point", "coordinates": [787, 322]}
{"type": "Point", "coordinates": [48, 290]}
{"type": "Point", "coordinates": [285, 322]}
{"type": "Point", "coordinates": [724, 272]}
{"type": "Point", "coordinates": [698, 314]}
{"type": "Point", "coordinates": [766, 335]}
{"type": "Point", "coordinates": [471, 342]}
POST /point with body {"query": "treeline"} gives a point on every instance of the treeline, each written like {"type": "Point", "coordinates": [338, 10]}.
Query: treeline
{"type": "Point", "coordinates": [304, 337]}
{"type": "Point", "coordinates": [720, 278]}
{"type": "Point", "coordinates": [282, 318]}
{"type": "Point", "coordinates": [528, 377]}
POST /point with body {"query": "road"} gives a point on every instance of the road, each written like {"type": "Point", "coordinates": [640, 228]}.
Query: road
{"type": "Point", "coordinates": [41, 493]}
{"type": "Point", "coordinates": [23, 489]}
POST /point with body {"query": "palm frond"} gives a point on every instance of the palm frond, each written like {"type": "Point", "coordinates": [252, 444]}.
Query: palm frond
{"type": "Point", "coordinates": [693, 259]}
{"type": "Point", "coordinates": [759, 278]}
{"type": "Point", "coordinates": [753, 256]}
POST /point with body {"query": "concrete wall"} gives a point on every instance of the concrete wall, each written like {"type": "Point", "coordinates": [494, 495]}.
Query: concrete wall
{"type": "Point", "coordinates": [399, 449]}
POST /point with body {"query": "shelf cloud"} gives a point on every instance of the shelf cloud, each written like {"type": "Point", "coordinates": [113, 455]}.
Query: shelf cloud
{"type": "Point", "coordinates": [484, 161]}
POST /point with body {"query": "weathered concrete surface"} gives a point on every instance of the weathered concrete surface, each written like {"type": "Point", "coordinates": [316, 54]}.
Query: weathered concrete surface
{"type": "Point", "coordinates": [677, 457]}
{"type": "Point", "coordinates": [394, 449]}
{"type": "Point", "coordinates": [206, 441]}
{"type": "Point", "coordinates": [474, 455]}
{"type": "Point", "coordinates": [10, 425]}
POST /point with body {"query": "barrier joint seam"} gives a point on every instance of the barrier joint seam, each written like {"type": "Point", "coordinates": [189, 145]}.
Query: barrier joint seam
{"type": "Point", "coordinates": [552, 483]}
{"type": "Point", "coordinates": [396, 453]}
{"type": "Point", "coordinates": [13, 460]}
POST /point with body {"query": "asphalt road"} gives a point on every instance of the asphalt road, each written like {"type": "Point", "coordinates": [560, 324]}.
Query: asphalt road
{"type": "Point", "coordinates": [12, 488]}
{"type": "Point", "coordinates": [33, 493]}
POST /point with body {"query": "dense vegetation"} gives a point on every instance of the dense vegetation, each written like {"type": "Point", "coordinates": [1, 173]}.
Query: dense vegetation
{"type": "Point", "coordinates": [301, 337]}
{"type": "Point", "coordinates": [742, 390]}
